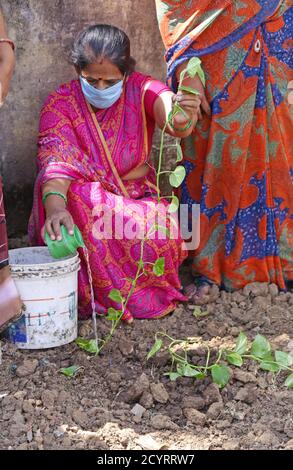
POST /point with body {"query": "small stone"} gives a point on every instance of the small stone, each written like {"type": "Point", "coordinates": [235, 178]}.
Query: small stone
{"type": "Point", "coordinates": [288, 428]}
{"type": "Point", "coordinates": [223, 424]}
{"type": "Point", "coordinates": [146, 400]}
{"type": "Point", "coordinates": [268, 439]}
{"type": "Point", "coordinates": [66, 443]}
{"type": "Point", "coordinates": [29, 436]}
{"type": "Point", "coordinates": [215, 410]}
{"type": "Point", "coordinates": [17, 430]}
{"type": "Point", "coordinates": [262, 302]}
{"type": "Point", "coordinates": [20, 394]}
{"type": "Point", "coordinates": [38, 437]}
{"type": "Point", "coordinates": [63, 397]}
{"type": "Point", "coordinates": [273, 290]}
{"type": "Point", "coordinates": [289, 445]}
{"type": "Point", "coordinates": [27, 407]}
{"type": "Point", "coordinates": [160, 421]}
{"type": "Point", "coordinates": [159, 393]}
{"type": "Point", "coordinates": [234, 331]}
{"type": "Point", "coordinates": [28, 367]}
{"type": "Point", "coordinates": [194, 416]}
{"type": "Point", "coordinates": [256, 288]}
{"type": "Point", "coordinates": [138, 410]}
{"type": "Point", "coordinates": [238, 297]}
{"type": "Point", "coordinates": [18, 418]}
{"type": "Point", "coordinates": [48, 398]}
{"type": "Point", "coordinates": [136, 390]}
{"type": "Point", "coordinates": [212, 394]}
{"type": "Point", "coordinates": [247, 395]}
{"type": "Point", "coordinates": [197, 403]}
{"type": "Point", "coordinates": [215, 329]}
{"type": "Point", "coordinates": [243, 376]}
{"type": "Point", "coordinates": [80, 417]}
{"type": "Point", "coordinates": [126, 347]}
{"type": "Point", "coordinates": [231, 444]}
{"type": "Point", "coordinates": [148, 443]}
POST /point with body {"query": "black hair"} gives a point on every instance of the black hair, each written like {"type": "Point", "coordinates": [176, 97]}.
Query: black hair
{"type": "Point", "coordinates": [102, 41]}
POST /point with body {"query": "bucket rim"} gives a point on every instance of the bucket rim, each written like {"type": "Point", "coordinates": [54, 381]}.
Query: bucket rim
{"type": "Point", "coordinates": [42, 266]}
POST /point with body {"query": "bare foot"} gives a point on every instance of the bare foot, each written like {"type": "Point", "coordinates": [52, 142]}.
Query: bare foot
{"type": "Point", "coordinates": [201, 295]}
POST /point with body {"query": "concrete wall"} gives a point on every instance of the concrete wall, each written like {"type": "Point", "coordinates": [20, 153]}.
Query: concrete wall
{"type": "Point", "coordinates": [43, 31]}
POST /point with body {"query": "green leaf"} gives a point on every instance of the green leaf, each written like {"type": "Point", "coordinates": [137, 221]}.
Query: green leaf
{"type": "Point", "coordinates": [197, 312]}
{"type": "Point", "coordinates": [186, 370]}
{"type": "Point", "coordinates": [162, 229]}
{"type": "Point", "coordinates": [194, 68]}
{"type": "Point", "coordinates": [116, 296]}
{"type": "Point", "coordinates": [156, 348]}
{"type": "Point", "coordinates": [220, 375]}
{"type": "Point", "coordinates": [289, 381]}
{"type": "Point", "coordinates": [113, 314]}
{"type": "Point", "coordinates": [241, 344]}
{"type": "Point", "coordinates": [174, 205]}
{"type": "Point", "coordinates": [170, 116]}
{"type": "Point", "coordinates": [88, 345]}
{"type": "Point", "coordinates": [172, 375]}
{"type": "Point", "coordinates": [70, 371]}
{"type": "Point", "coordinates": [266, 363]}
{"type": "Point", "coordinates": [283, 359]}
{"type": "Point", "coordinates": [177, 109]}
{"type": "Point", "coordinates": [193, 91]}
{"type": "Point", "coordinates": [260, 347]}
{"type": "Point", "coordinates": [179, 153]}
{"type": "Point", "coordinates": [177, 176]}
{"type": "Point", "coordinates": [159, 267]}
{"type": "Point", "coordinates": [235, 359]}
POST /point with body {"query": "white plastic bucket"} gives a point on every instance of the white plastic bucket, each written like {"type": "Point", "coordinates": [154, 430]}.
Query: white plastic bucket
{"type": "Point", "coordinates": [48, 289]}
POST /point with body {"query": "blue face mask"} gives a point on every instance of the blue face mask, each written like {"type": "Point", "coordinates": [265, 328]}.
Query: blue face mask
{"type": "Point", "coordinates": [101, 99]}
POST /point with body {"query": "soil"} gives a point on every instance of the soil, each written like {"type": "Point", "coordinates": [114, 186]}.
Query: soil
{"type": "Point", "coordinates": [121, 401]}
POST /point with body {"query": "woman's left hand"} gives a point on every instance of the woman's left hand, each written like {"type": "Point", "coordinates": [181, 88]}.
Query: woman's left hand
{"type": "Point", "coordinates": [190, 103]}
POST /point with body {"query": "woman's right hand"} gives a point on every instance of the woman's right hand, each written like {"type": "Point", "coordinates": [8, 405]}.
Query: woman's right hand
{"type": "Point", "coordinates": [54, 221]}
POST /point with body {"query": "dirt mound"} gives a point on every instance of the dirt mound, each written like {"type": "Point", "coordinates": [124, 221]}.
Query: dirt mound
{"type": "Point", "coordinates": [121, 401]}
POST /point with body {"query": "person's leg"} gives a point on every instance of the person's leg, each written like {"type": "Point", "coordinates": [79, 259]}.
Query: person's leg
{"type": "Point", "coordinates": [10, 303]}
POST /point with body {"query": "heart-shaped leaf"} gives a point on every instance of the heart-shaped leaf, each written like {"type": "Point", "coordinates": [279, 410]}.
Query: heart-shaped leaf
{"type": "Point", "coordinates": [88, 345]}
{"type": "Point", "coordinates": [174, 205]}
{"type": "Point", "coordinates": [156, 348]}
{"type": "Point", "coordinates": [177, 176]}
{"type": "Point", "coordinates": [113, 314]}
{"type": "Point", "coordinates": [235, 359]}
{"type": "Point", "coordinates": [220, 375]}
{"type": "Point", "coordinates": [289, 381]}
{"type": "Point", "coordinates": [159, 267]}
{"type": "Point", "coordinates": [284, 359]}
{"type": "Point", "coordinates": [241, 344]}
{"type": "Point", "coordinates": [116, 296]}
{"type": "Point", "coordinates": [70, 371]}
{"type": "Point", "coordinates": [260, 347]}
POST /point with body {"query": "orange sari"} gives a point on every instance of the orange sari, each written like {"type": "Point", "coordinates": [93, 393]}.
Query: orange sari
{"type": "Point", "coordinates": [239, 162]}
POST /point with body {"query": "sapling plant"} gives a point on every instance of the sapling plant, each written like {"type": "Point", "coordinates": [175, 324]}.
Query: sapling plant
{"type": "Point", "coordinates": [259, 351]}
{"type": "Point", "coordinates": [176, 178]}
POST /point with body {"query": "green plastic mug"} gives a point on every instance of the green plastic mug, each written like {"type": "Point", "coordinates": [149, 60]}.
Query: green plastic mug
{"type": "Point", "coordinates": [67, 246]}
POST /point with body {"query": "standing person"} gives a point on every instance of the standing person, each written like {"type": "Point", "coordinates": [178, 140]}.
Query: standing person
{"type": "Point", "coordinates": [94, 149]}
{"type": "Point", "coordinates": [10, 304]}
{"type": "Point", "coordinates": [239, 159]}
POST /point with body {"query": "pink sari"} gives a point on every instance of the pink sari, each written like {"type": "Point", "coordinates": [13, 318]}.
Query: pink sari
{"type": "Point", "coordinates": [94, 151]}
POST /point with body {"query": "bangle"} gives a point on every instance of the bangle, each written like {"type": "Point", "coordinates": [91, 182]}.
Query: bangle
{"type": "Point", "coordinates": [188, 126]}
{"type": "Point", "coordinates": [8, 41]}
{"type": "Point", "coordinates": [54, 193]}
